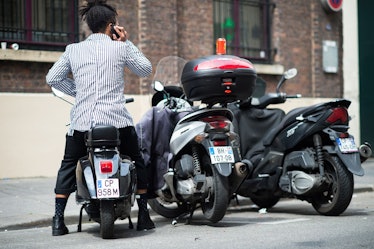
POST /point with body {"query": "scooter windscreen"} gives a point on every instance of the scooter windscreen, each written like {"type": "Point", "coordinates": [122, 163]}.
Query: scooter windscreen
{"type": "Point", "coordinates": [168, 77]}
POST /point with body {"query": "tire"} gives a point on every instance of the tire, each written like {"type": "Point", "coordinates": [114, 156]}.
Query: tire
{"type": "Point", "coordinates": [167, 209]}
{"type": "Point", "coordinates": [107, 219]}
{"type": "Point", "coordinates": [338, 195]}
{"type": "Point", "coordinates": [215, 205]}
{"type": "Point", "coordinates": [265, 201]}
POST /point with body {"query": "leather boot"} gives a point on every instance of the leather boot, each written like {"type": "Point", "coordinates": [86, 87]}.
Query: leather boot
{"type": "Point", "coordinates": [58, 226]}
{"type": "Point", "coordinates": [144, 220]}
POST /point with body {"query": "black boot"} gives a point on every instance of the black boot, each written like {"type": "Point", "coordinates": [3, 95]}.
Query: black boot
{"type": "Point", "coordinates": [144, 220]}
{"type": "Point", "coordinates": [58, 226]}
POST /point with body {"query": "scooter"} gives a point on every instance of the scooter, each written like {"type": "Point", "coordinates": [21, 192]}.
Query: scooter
{"type": "Point", "coordinates": [106, 180]}
{"type": "Point", "coordinates": [306, 154]}
{"type": "Point", "coordinates": [201, 165]}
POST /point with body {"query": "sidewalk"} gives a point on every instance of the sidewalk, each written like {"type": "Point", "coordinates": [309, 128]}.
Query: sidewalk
{"type": "Point", "coordinates": [29, 202]}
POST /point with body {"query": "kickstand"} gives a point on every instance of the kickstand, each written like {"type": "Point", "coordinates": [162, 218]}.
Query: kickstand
{"type": "Point", "coordinates": [236, 199]}
{"type": "Point", "coordinates": [183, 215]}
{"type": "Point", "coordinates": [80, 218]}
{"type": "Point", "coordinates": [131, 226]}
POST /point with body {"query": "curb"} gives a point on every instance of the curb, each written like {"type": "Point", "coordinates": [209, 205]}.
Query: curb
{"type": "Point", "coordinates": [73, 219]}
{"type": "Point", "coordinates": [69, 220]}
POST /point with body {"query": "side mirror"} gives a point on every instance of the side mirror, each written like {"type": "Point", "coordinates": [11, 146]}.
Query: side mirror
{"type": "Point", "coordinates": [157, 85]}
{"type": "Point", "coordinates": [289, 74]}
{"type": "Point", "coordinates": [57, 93]}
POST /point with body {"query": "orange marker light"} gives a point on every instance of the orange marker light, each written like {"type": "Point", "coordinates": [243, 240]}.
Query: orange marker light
{"type": "Point", "coordinates": [221, 46]}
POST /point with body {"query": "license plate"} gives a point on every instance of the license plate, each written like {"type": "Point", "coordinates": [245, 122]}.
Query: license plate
{"type": "Point", "coordinates": [347, 145]}
{"type": "Point", "coordinates": [221, 154]}
{"type": "Point", "coordinates": [107, 188]}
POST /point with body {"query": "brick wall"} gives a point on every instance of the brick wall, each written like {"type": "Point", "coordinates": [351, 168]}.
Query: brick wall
{"type": "Point", "coordinates": [299, 27]}
{"type": "Point", "coordinates": [185, 28]}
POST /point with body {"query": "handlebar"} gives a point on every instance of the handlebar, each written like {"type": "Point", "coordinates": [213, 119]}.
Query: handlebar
{"type": "Point", "coordinates": [296, 96]}
{"type": "Point", "coordinates": [272, 98]}
{"type": "Point", "coordinates": [129, 100]}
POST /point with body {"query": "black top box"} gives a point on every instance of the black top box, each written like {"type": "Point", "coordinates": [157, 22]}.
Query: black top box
{"type": "Point", "coordinates": [218, 79]}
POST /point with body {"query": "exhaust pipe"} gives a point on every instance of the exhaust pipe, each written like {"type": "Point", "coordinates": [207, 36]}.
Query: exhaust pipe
{"type": "Point", "coordinates": [365, 151]}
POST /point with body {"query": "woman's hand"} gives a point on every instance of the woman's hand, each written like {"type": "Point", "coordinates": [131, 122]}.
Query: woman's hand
{"type": "Point", "coordinates": [121, 32]}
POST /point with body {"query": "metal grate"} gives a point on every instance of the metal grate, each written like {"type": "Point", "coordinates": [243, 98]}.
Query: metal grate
{"type": "Point", "coordinates": [39, 24]}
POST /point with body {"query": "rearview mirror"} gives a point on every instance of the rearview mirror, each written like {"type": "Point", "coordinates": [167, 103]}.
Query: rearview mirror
{"type": "Point", "coordinates": [289, 74]}
{"type": "Point", "coordinates": [57, 93]}
{"type": "Point", "coordinates": [157, 85]}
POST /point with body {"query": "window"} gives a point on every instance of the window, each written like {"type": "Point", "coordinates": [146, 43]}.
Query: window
{"type": "Point", "coordinates": [245, 24]}
{"type": "Point", "coordinates": [39, 24]}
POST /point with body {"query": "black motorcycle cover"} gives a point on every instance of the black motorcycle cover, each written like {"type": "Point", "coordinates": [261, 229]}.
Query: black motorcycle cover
{"type": "Point", "coordinates": [252, 125]}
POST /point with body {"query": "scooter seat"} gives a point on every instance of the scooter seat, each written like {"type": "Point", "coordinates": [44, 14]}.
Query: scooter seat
{"type": "Point", "coordinates": [302, 111]}
{"type": "Point", "coordinates": [104, 135]}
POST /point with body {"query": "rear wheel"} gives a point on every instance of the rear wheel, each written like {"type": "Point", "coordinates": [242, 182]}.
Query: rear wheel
{"type": "Point", "coordinates": [107, 219]}
{"type": "Point", "coordinates": [167, 209]}
{"type": "Point", "coordinates": [215, 205]}
{"type": "Point", "coordinates": [265, 201]}
{"type": "Point", "coordinates": [335, 199]}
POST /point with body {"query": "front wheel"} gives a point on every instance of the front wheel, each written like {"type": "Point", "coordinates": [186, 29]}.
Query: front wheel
{"type": "Point", "coordinates": [334, 199]}
{"type": "Point", "coordinates": [215, 205]}
{"type": "Point", "coordinates": [107, 219]}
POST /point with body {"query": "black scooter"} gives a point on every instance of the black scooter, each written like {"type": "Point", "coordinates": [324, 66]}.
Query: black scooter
{"type": "Point", "coordinates": [306, 154]}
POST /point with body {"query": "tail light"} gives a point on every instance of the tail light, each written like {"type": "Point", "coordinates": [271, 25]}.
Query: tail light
{"type": "Point", "coordinates": [106, 167]}
{"type": "Point", "coordinates": [344, 135]}
{"type": "Point", "coordinates": [220, 143]}
{"type": "Point", "coordinates": [224, 64]}
{"type": "Point", "coordinates": [339, 115]}
{"type": "Point", "coordinates": [217, 123]}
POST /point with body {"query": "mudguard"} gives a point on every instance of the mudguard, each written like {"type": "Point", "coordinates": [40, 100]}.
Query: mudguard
{"type": "Point", "coordinates": [350, 160]}
{"type": "Point", "coordinates": [224, 169]}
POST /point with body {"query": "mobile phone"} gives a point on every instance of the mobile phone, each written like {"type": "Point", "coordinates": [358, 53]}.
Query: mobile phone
{"type": "Point", "coordinates": [114, 31]}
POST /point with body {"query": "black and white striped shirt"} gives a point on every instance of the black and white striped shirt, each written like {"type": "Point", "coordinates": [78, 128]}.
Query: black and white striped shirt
{"type": "Point", "coordinates": [97, 65]}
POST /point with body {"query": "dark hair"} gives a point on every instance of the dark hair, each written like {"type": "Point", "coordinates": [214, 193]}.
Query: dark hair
{"type": "Point", "coordinates": [98, 14]}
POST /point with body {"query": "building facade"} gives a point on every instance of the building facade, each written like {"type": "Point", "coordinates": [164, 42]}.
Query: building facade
{"type": "Point", "coordinates": [274, 34]}
{"type": "Point", "coordinates": [296, 32]}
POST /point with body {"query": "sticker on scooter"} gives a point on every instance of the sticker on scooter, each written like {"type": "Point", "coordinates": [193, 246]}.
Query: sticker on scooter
{"type": "Point", "coordinates": [107, 188]}
{"type": "Point", "coordinates": [221, 154]}
{"type": "Point", "coordinates": [347, 145]}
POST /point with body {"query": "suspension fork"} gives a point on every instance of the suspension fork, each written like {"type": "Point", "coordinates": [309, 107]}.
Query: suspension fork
{"type": "Point", "coordinates": [318, 147]}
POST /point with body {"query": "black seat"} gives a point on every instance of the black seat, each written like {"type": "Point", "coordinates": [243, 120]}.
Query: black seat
{"type": "Point", "coordinates": [103, 136]}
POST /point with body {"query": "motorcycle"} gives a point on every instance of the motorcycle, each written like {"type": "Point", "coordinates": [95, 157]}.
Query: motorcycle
{"type": "Point", "coordinates": [306, 154]}
{"type": "Point", "coordinates": [106, 180]}
{"type": "Point", "coordinates": [194, 151]}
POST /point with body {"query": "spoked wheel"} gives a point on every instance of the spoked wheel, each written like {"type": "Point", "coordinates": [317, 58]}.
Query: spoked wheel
{"type": "Point", "coordinates": [335, 199]}
{"type": "Point", "coordinates": [107, 219]}
{"type": "Point", "coordinates": [167, 209]}
{"type": "Point", "coordinates": [215, 205]}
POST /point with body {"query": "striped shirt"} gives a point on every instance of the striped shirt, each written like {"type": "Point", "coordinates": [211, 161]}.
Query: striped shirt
{"type": "Point", "coordinates": [97, 65]}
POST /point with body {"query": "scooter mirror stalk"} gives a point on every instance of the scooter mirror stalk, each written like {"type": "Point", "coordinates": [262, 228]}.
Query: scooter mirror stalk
{"type": "Point", "coordinates": [289, 74]}
{"type": "Point", "coordinates": [60, 95]}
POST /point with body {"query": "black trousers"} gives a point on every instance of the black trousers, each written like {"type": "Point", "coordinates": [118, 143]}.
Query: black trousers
{"type": "Point", "coordinates": [75, 148]}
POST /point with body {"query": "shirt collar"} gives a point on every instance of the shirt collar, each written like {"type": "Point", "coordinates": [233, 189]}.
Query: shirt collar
{"type": "Point", "coordinates": [98, 36]}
